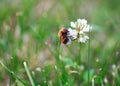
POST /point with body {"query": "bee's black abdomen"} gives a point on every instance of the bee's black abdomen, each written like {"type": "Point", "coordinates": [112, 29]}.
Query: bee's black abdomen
{"type": "Point", "coordinates": [66, 40]}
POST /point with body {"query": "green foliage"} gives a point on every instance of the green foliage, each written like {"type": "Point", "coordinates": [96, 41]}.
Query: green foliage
{"type": "Point", "coordinates": [28, 33]}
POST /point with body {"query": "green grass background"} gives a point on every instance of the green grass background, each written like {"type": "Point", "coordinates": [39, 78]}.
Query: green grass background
{"type": "Point", "coordinates": [28, 33]}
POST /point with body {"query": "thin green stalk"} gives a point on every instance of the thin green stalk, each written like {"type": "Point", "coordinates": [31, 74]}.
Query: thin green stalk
{"type": "Point", "coordinates": [79, 53]}
{"type": "Point", "coordinates": [28, 73]}
{"type": "Point", "coordinates": [89, 60]}
{"type": "Point", "coordinates": [13, 74]}
{"type": "Point", "coordinates": [93, 84]}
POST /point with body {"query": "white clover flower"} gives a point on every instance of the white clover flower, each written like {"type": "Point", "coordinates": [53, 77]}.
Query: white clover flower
{"type": "Point", "coordinates": [38, 69]}
{"type": "Point", "coordinates": [113, 66]}
{"type": "Point", "coordinates": [81, 67]}
{"type": "Point", "coordinates": [80, 27]}
{"type": "Point", "coordinates": [105, 80]}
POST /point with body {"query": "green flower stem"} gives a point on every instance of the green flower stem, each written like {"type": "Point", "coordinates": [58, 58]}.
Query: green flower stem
{"type": "Point", "coordinates": [28, 73]}
{"type": "Point", "coordinates": [89, 60]}
{"type": "Point", "coordinates": [79, 52]}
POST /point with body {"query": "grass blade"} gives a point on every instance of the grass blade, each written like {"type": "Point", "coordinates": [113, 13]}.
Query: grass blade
{"type": "Point", "coordinates": [28, 73]}
{"type": "Point", "coordinates": [13, 74]}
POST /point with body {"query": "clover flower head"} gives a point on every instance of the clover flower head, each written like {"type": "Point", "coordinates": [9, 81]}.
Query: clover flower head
{"type": "Point", "coordinates": [79, 30]}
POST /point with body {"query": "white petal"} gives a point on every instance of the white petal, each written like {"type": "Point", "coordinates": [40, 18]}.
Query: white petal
{"type": "Point", "coordinates": [86, 37]}
{"type": "Point", "coordinates": [84, 21]}
{"type": "Point", "coordinates": [69, 29]}
{"type": "Point", "coordinates": [81, 23]}
{"type": "Point", "coordinates": [81, 32]}
{"type": "Point", "coordinates": [79, 20]}
{"type": "Point", "coordinates": [86, 29]}
{"type": "Point", "coordinates": [72, 33]}
{"type": "Point", "coordinates": [83, 39]}
{"type": "Point", "coordinates": [72, 24]}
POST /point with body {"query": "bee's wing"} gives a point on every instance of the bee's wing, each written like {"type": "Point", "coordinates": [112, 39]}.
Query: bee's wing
{"type": "Point", "coordinates": [69, 41]}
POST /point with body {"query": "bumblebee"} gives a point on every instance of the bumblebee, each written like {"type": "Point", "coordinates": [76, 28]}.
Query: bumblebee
{"type": "Point", "coordinates": [63, 35]}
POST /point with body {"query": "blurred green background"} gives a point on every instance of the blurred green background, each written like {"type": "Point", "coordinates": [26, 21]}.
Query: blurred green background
{"type": "Point", "coordinates": [28, 32]}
